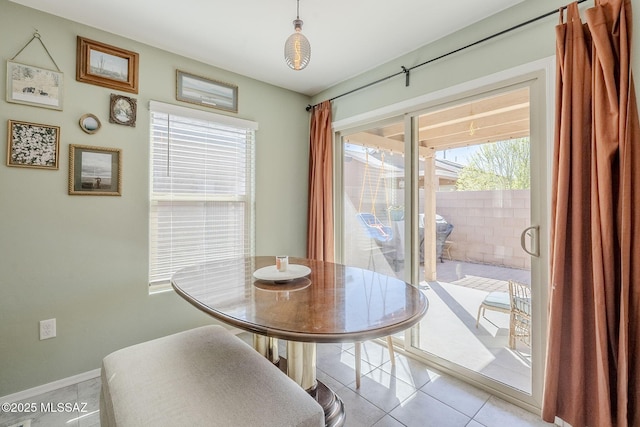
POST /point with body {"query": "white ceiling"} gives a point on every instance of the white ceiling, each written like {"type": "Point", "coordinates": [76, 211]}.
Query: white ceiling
{"type": "Point", "coordinates": [247, 37]}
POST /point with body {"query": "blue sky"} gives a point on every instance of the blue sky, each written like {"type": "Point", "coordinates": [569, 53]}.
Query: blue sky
{"type": "Point", "coordinates": [459, 155]}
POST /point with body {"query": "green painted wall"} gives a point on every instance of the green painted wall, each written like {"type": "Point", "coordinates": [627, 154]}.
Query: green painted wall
{"type": "Point", "coordinates": [529, 43]}
{"type": "Point", "coordinates": [83, 259]}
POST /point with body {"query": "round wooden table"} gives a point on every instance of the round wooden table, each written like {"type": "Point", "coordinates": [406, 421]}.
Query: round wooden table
{"type": "Point", "coordinates": [334, 303]}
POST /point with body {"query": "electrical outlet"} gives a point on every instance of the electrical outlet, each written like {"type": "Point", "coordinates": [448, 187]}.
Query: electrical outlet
{"type": "Point", "coordinates": [47, 329]}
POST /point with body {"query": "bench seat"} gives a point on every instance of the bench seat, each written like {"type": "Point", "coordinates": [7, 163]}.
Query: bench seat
{"type": "Point", "coordinates": [202, 377]}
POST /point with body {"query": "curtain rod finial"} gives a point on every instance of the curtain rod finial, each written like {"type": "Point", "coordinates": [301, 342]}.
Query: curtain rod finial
{"type": "Point", "coordinates": [309, 107]}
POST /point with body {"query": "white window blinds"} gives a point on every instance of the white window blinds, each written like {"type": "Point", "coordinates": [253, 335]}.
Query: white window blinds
{"type": "Point", "coordinates": [201, 196]}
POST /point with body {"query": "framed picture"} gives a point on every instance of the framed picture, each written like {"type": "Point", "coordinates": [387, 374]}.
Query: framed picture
{"type": "Point", "coordinates": [109, 66]}
{"type": "Point", "coordinates": [90, 123]}
{"type": "Point", "coordinates": [31, 145]}
{"type": "Point", "coordinates": [35, 86]}
{"type": "Point", "coordinates": [206, 92]}
{"type": "Point", "coordinates": [122, 110]}
{"type": "Point", "coordinates": [95, 171]}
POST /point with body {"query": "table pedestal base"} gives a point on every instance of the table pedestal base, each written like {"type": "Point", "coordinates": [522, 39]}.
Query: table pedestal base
{"type": "Point", "coordinates": [334, 415]}
{"type": "Point", "coordinates": [300, 366]}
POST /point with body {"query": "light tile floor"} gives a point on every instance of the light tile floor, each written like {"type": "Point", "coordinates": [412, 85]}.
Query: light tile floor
{"type": "Point", "coordinates": [409, 394]}
{"type": "Point", "coordinates": [82, 410]}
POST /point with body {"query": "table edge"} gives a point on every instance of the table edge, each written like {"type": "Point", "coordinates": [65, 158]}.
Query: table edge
{"type": "Point", "coordinates": [357, 336]}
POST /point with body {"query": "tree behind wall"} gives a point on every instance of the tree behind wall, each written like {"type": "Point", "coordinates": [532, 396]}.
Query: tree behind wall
{"type": "Point", "coordinates": [502, 165]}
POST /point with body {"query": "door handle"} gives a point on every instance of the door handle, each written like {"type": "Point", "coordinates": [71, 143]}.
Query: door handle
{"type": "Point", "coordinates": [534, 232]}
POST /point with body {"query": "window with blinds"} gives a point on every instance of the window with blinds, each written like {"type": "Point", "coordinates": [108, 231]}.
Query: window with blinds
{"type": "Point", "coordinates": [201, 193]}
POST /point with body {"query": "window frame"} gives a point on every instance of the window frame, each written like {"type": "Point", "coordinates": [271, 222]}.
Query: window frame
{"type": "Point", "coordinates": [248, 197]}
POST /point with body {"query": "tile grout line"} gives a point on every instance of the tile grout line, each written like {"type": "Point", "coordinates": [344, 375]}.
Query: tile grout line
{"type": "Point", "coordinates": [480, 409]}
{"type": "Point", "coordinates": [457, 410]}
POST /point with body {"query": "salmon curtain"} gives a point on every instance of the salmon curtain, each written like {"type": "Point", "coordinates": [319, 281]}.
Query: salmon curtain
{"type": "Point", "coordinates": [320, 239]}
{"type": "Point", "coordinates": [592, 375]}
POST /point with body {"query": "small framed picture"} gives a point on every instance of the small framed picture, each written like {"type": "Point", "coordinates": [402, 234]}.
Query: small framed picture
{"type": "Point", "coordinates": [34, 86]}
{"type": "Point", "coordinates": [109, 66]}
{"type": "Point", "coordinates": [206, 92]}
{"type": "Point", "coordinates": [90, 123]}
{"type": "Point", "coordinates": [122, 110]}
{"type": "Point", "coordinates": [32, 145]}
{"type": "Point", "coordinates": [95, 171]}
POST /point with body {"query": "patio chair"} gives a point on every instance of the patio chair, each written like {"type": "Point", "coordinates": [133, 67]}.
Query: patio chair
{"type": "Point", "coordinates": [520, 322]}
{"type": "Point", "coordinates": [443, 230]}
{"type": "Point", "coordinates": [496, 301]}
{"type": "Point", "coordinates": [446, 249]}
{"type": "Point", "coordinates": [517, 303]}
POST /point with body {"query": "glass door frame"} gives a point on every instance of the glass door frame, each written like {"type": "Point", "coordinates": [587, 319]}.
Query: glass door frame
{"type": "Point", "coordinates": [539, 77]}
{"type": "Point", "coordinates": [539, 269]}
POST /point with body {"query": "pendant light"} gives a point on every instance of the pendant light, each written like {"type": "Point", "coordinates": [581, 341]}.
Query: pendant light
{"type": "Point", "coordinates": [297, 50]}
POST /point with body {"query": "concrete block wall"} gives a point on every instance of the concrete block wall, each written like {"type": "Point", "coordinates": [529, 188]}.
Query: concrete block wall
{"type": "Point", "coordinates": [487, 225]}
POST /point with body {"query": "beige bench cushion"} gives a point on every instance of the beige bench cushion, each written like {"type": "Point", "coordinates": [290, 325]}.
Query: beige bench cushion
{"type": "Point", "coordinates": [202, 377]}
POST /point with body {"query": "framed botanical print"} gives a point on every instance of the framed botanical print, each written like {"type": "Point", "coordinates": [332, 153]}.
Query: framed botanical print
{"type": "Point", "coordinates": [32, 145]}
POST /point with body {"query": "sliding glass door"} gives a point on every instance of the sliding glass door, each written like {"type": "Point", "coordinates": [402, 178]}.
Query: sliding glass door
{"type": "Point", "coordinates": [373, 199]}
{"type": "Point", "coordinates": [474, 206]}
{"type": "Point", "coordinates": [451, 198]}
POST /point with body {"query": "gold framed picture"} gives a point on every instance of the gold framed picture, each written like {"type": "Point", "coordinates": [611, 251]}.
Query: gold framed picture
{"type": "Point", "coordinates": [104, 65]}
{"type": "Point", "coordinates": [89, 123]}
{"type": "Point", "coordinates": [122, 110]}
{"type": "Point", "coordinates": [206, 92]}
{"type": "Point", "coordinates": [95, 171]}
{"type": "Point", "coordinates": [32, 145]}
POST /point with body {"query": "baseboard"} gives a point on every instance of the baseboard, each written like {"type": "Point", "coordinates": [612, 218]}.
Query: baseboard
{"type": "Point", "coordinates": [45, 388]}
{"type": "Point", "coordinates": [64, 382]}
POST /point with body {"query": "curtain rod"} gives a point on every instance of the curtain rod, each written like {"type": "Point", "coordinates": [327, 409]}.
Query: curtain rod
{"type": "Point", "coordinates": [406, 71]}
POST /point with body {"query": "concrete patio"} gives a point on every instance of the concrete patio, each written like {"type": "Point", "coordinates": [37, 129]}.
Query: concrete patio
{"type": "Point", "coordinates": [454, 300]}
{"type": "Point", "coordinates": [449, 328]}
